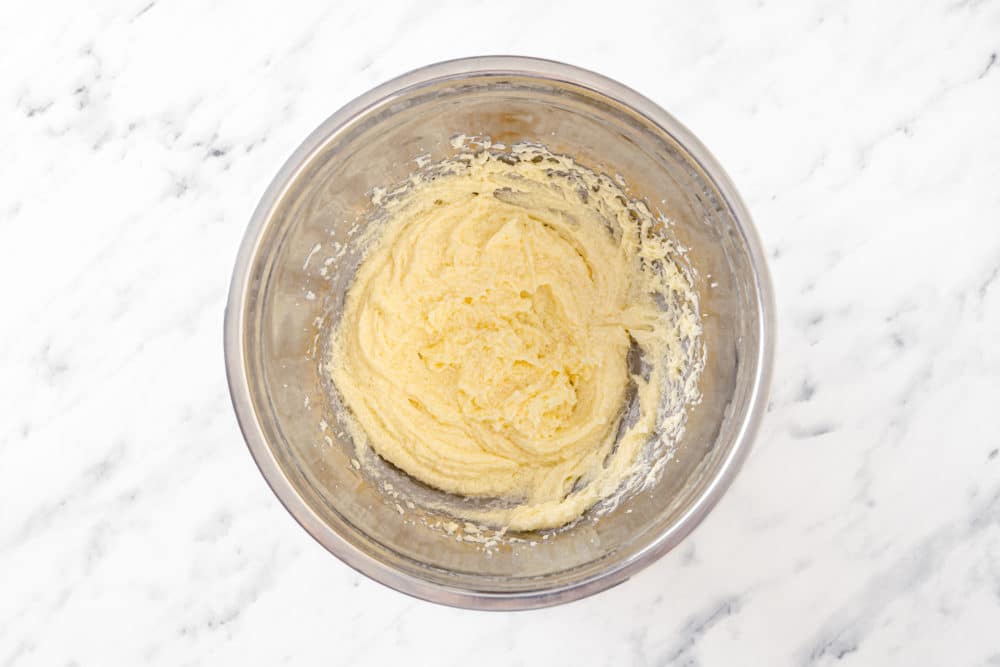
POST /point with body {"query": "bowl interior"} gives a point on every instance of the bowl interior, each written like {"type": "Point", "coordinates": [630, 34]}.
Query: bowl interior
{"type": "Point", "coordinates": [303, 261]}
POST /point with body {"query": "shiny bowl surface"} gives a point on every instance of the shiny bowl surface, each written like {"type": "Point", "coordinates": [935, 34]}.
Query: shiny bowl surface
{"type": "Point", "coordinates": [282, 302]}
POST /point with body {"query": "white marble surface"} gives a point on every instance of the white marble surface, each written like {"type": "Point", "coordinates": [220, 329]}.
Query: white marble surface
{"type": "Point", "coordinates": [137, 136]}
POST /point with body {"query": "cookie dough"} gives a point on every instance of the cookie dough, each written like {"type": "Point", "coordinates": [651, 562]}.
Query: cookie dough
{"type": "Point", "coordinates": [484, 346]}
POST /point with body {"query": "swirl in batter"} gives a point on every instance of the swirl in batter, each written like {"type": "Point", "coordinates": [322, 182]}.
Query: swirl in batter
{"type": "Point", "coordinates": [484, 344]}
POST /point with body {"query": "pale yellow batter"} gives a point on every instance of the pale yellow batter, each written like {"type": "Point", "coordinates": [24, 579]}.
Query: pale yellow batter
{"type": "Point", "coordinates": [483, 347]}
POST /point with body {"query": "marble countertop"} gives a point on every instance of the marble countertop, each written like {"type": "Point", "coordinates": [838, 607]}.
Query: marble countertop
{"type": "Point", "coordinates": [137, 137]}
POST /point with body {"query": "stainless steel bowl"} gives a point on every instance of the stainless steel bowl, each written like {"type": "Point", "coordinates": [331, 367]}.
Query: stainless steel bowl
{"type": "Point", "coordinates": [281, 300]}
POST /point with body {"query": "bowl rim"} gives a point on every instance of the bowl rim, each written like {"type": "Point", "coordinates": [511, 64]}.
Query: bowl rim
{"type": "Point", "coordinates": [235, 322]}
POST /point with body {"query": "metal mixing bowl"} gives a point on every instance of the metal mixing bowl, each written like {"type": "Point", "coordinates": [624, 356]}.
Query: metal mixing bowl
{"type": "Point", "coordinates": [282, 299]}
